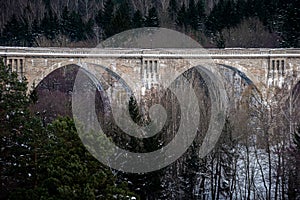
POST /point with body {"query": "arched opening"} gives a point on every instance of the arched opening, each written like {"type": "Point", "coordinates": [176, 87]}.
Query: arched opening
{"type": "Point", "coordinates": [53, 93]}
{"type": "Point", "coordinates": [241, 90]}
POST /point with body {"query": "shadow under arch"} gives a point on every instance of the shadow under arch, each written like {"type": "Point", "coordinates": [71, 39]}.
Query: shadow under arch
{"type": "Point", "coordinates": [53, 94]}
{"type": "Point", "coordinates": [248, 80]}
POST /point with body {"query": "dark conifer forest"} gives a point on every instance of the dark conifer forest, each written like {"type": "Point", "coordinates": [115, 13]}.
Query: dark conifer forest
{"type": "Point", "coordinates": [222, 23]}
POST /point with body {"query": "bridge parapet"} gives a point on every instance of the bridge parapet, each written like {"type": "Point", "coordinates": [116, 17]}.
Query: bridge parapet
{"type": "Point", "coordinates": [86, 52]}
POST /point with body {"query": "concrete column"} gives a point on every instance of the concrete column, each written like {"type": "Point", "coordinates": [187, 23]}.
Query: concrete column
{"type": "Point", "coordinates": [273, 72]}
{"type": "Point", "coordinates": [21, 67]}
{"type": "Point", "coordinates": [10, 62]}
{"type": "Point", "coordinates": [145, 70]}
{"type": "Point", "coordinates": [282, 68]}
{"type": "Point", "coordinates": [156, 69]}
{"type": "Point", "coordinates": [278, 75]}
{"type": "Point", "coordinates": [15, 65]}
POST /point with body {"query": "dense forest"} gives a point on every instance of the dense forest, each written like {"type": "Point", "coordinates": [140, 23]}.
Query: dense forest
{"type": "Point", "coordinates": [223, 23]}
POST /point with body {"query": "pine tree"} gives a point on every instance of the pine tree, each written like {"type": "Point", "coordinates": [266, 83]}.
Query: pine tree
{"type": "Point", "coordinates": [122, 19]}
{"type": "Point", "coordinates": [13, 99]}
{"type": "Point", "coordinates": [217, 19]}
{"type": "Point", "coordinates": [107, 16]}
{"type": "Point", "coordinates": [289, 18]}
{"type": "Point", "coordinates": [50, 25]}
{"type": "Point", "coordinates": [11, 32]}
{"type": "Point", "coordinates": [16, 161]}
{"type": "Point", "coordinates": [137, 20]}
{"type": "Point", "coordinates": [172, 9]}
{"type": "Point", "coordinates": [73, 26]}
{"type": "Point", "coordinates": [192, 15]}
{"type": "Point", "coordinates": [152, 19]}
{"type": "Point", "coordinates": [201, 14]}
{"type": "Point", "coordinates": [182, 17]}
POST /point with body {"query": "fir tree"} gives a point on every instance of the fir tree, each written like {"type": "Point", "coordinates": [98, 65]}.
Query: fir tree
{"type": "Point", "coordinates": [192, 15]}
{"type": "Point", "coordinates": [11, 32]}
{"type": "Point", "coordinates": [137, 20]}
{"type": "Point", "coordinates": [122, 19]}
{"type": "Point", "coordinates": [152, 19]}
{"type": "Point", "coordinates": [172, 9]}
{"type": "Point", "coordinates": [107, 17]}
{"type": "Point", "coordinates": [50, 25]}
{"type": "Point", "coordinates": [201, 14]}
{"type": "Point", "coordinates": [182, 18]}
{"type": "Point", "coordinates": [16, 161]}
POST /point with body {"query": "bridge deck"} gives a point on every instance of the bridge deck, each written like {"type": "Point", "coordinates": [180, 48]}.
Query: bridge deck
{"type": "Point", "coordinates": [140, 53]}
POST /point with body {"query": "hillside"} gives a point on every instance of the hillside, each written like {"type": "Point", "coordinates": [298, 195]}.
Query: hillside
{"type": "Point", "coordinates": [223, 23]}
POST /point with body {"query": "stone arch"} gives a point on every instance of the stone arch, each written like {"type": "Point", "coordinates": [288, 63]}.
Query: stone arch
{"type": "Point", "coordinates": [260, 86]}
{"type": "Point", "coordinates": [242, 69]}
{"type": "Point", "coordinates": [90, 65]}
{"type": "Point", "coordinates": [41, 74]}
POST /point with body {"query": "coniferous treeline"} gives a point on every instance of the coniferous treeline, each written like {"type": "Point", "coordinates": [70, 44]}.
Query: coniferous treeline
{"type": "Point", "coordinates": [279, 17]}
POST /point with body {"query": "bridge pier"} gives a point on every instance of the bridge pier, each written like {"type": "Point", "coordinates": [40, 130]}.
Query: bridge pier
{"type": "Point", "coordinates": [16, 64]}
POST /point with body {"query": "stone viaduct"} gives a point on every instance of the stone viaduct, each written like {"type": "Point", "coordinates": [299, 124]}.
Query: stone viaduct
{"type": "Point", "coordinates": [267, 69]}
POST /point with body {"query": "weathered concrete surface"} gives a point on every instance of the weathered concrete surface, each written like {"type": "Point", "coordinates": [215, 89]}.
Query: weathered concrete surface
{"type": "Point", "coordinates": [266, 68]}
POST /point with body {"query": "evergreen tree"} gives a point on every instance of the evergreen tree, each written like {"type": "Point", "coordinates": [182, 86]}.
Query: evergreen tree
{"type": "Point", "coordinates": [172, 9]}
{"type": "Point", "coordinates": [122, 19]}
{"type": "Point", "coordinates": [13, 99]}
{"type": "Point", "coordinates": [289, 24]}
{"type": "Point", "coordinates": [50, 25]}
{"type": "Point", "coordinates": [192, 15]}
{"type": "Point", "coordinates": [201, 14]}
{"type": "Point", "coordinates": [77, 27]}
{"type": "Point", "coordinates": [107, 17]}
{"type": "Point", "coordinates": [73, 26]}
{"type": "Point", "coordinates": [51, 163]}
{"type": "Point", "coordinates": [152, 19]}
{"type": "Point", "coordinates": [65, 21]}
{"type": "Point", "coordinates": [230, 12]}
{"type": "Point", "coordinates": [36, 29]}
{"type": "Point", "coordinates": [217, 19]}
{"type": "Point", "coordinates": [16, 161]}
{"type": "Point", "coordinates": [11, 32]}
{"type": "Point", "coordinates": [182, 17]}
{"type": "Point", "coordinates": [137, 20]}
{"type": "Point", "coordinates": [241, 9]}
{"type": "Point", "coordinates": [99, 19]}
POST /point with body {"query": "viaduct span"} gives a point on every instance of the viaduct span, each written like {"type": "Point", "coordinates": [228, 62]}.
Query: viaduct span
{"type": "Point", "coordinates": [266, 68]}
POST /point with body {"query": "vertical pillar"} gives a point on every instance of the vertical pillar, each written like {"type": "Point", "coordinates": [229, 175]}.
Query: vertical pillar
{"type": "Point", "coordinates": [21, 68]}
{"type": "Point", "coordinates": [282, 68]}
{"type": "Point", "coordinates": [278, 73]}
{"type": "Point", "coordinates": [156, 69]}
{"type": "Point", "coordinates": [10, 64]}
{"type": "Point", "coordinates": [151, 69]}
{"type": "Point", "coordinates": [273, 72]}
{"type": "Point", "coordinates": [15, 65]}
{"type": "Point", "coordinates": [141, 69]}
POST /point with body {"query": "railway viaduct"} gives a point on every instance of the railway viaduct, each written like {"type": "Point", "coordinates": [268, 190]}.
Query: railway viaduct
{"type": "Point", "coordinates": [265, 68]}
